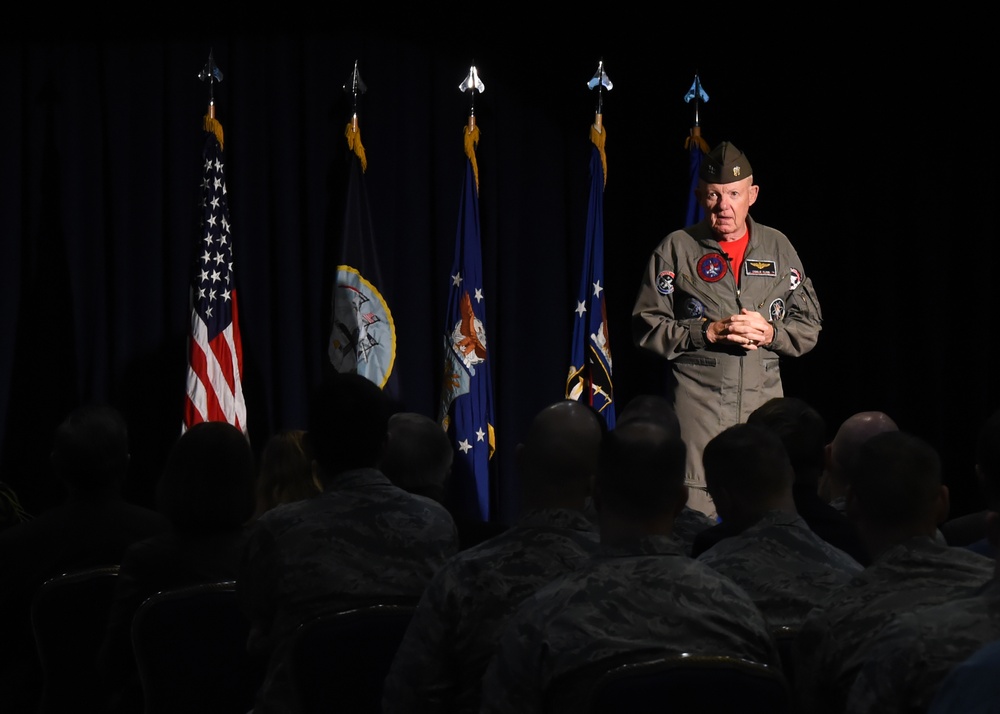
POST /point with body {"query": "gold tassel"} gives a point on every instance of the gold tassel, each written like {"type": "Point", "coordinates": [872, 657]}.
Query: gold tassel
{"type": "Point", "coordinates": [599, 136]}
{"type": "Point", "coordinates": [471, 141]}
{"type": "Point", "coordinates": [697, 138]}
{"type": "Point", "coordinates": [211, 124]}
{"type": "Point", "coordinates": [353, 134]}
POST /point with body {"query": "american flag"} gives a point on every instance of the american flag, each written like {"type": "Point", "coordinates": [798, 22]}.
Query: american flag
{"type": "Point", "coordinates": [215, 357]}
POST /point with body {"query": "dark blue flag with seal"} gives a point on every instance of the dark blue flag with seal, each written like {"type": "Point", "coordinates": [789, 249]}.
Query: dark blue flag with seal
{"type": "Point", "coordinates": [590, 372]}
{"type": "Point", "coordinates": [466, 408]}
{"type": "Point", "coordinates": [362, 334]}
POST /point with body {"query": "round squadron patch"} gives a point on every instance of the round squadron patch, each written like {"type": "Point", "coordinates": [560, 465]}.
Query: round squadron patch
{"type": "Point", "coordinates": [776, 310]}
{"type": "Point", "coordinates": [712, 267]}
{"type": "Point", "coordinates": [692, 308]}
{"type": "Point", "coordinates": [665, 282]}
{"type": "Point", "coordinates": [794, 278]}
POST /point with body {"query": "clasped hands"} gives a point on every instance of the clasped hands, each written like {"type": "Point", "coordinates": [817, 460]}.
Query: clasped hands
{"type": "Point", "coordinates": [748, 330]}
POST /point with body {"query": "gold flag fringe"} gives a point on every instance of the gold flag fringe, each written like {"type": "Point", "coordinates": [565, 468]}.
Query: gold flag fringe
{"type": "Point", "coordinates": [697, 138]}
{"type": "Point", "coordinates": [599, 136]}
{"type": "Point", "coordinates": [471, 141]}
{"type": "Point", "coordinates": [211, 124]}
{"type": "Point", "coordinates": [353, 134]}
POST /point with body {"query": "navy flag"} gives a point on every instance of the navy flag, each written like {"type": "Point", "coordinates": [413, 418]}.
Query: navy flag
{"type": "Point", "coordinates": [363, 334]}
{"type": "Point", "coordinates": [590, 375]}
{"type": "Point", "coordinates": [466, 408]}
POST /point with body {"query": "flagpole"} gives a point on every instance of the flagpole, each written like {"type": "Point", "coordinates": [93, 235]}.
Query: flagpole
{"type": "Point", "coordinates": [697, 147]}
{"type": "Point", "coordinates": [466, 407]}
{"type": "Point", "coordinates": [214, 388]}
{"type": "Point", "coordinates": [590, 372]}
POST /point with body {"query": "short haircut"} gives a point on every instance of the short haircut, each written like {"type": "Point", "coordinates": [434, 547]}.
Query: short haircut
{"type": "Point", "coordinates": [750, 461]}
{"type": "Point", "coordinates": [208, 482]}
{"type": "Point", "coordinates": [801, 428]}
{"type": "Point", "coordinates": [562, 446]}
{"type": "Point", "coordinates": [641, 469]}
{"type": "Point", "coordinates": [652, 406]}
{"type": "Point", "coordinates": [90, 449]}
{"type": "Point", "coordinates": [347, 423]}
{"type": "Point", "coordinates": [988, 460]}
{"type": "Point", "coordinates": [897, 478]}
{"type": "Point", "coordinates": [418, 455]}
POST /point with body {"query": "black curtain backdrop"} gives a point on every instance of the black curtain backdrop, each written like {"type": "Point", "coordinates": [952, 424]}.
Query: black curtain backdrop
{"type": "Point", "coordinates": [873, 151]}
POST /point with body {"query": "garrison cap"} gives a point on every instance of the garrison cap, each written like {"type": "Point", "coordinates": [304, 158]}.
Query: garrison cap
{"type": "Point", "coordinates": [724, 164]}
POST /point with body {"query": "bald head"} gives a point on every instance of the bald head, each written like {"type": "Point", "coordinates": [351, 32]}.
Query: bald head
{"type": "Point", "coordinates": [559, 453]}
{"type": "Point", "coordinates": [855, 431]}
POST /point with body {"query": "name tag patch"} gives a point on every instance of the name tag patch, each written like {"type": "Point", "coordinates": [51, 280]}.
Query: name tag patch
{"type": "Point", "coordinates": [766, 268]}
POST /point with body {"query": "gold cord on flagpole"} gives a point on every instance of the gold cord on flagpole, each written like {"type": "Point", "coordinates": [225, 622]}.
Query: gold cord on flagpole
{"type": "Point", "coordinates": [212, 125]}
{"type": "Point", "coordinates": [471, 141]}
{"type": "Point", "coordinates": [598, 135]}
{"type": "Point", "coordinates": [353, 134]}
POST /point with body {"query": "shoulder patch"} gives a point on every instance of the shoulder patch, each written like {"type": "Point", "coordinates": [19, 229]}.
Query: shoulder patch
{"type": "Point", "coordinates": [794, 278]}
{"type": "Point", "coordinates": [665, 282]}
{"type": "Point", "coordinates": [776, 310]}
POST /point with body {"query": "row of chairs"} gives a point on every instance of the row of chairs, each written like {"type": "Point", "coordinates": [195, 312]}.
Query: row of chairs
{"type": "Point", "coordinates": [190, 647]}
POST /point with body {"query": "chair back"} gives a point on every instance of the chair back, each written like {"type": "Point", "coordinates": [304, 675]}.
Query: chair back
{"type": "Point", "coordinates": [784, 638]}
{"type": "Point", "coordinates": [339, 661]}
{"type": "Point", "coordinates": [69, 617]}
{"type": "Point", "coordinates": [191, 651]}
{"type": "Point", "coordinates": [692, 683]}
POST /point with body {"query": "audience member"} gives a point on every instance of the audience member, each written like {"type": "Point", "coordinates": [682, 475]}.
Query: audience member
{"type": "Point", "coordinates": [417, 457]}
{"type": "Point", "coordinates": [783, 565]}
{"type": "Point", "coordinates": [912, 655]}
{"type": "Point", "coordinates": [640, 595]}
{"type": "Point", "coordinates": [802, 429]}
{"type": "Point", "coordinates": [689, 522]}
{"type": "Point", "coordinates": [804, 433]}
{"type": "Point", "coordinates": [451, 638]}
{"type": "Point", "coordinates": [362, 540]}
{"type": "Point", "coordinates": [91, 528]}
{"type": "Point", "coordinates": [842, 452]}
{"type": "Point", "coordinates": [896, 496]}
{"type": "Point", "coordinates": [206, 490]}
{"type": "Point", "coordinates": [286, 471]}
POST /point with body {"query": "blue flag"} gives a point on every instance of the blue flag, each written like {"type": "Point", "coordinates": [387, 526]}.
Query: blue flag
{"type": "Point", "coordinates": [590, 378]}
{"type": "Point", "coordinates": [466, 409]}
{"type": "Point", "coordinates": [696, 149]}
{"type": "Point", "coordinates": [363, 334]}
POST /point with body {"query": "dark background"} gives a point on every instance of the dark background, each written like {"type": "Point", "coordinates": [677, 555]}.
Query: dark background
{"type": "Point", "coordinates": [872, 143]}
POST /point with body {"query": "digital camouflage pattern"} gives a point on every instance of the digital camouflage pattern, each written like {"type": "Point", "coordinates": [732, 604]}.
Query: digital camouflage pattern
{"type": "Point", "coordinates": [916, 652]}
{"type": "Point", "coordinates": [647, 598]}
{"type": "Point", "coordinates": [783, 565]}
{"type": "Point", "coordinates": [441, 660]}
{"type": "Point", "coordinates": [362, 540]}
{"type": "Point", "coordinates": [836, 636]}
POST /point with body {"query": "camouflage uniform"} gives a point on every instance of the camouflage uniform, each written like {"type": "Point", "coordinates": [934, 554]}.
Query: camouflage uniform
{"type": "Point", "coordinates": [836, 636]}
{"type": "Point", "coordinates": [785, 567]}
{"type": "Point", "coordinates": [689, 523]}
{"type": "Point", "coordinates": [914, 653]}
{"type": "Point", "coordinates": [648, 598]}
{"type": "Point", "coordinates": [451, 638]}
{"type": "Point", "coordinates": [362, 540]}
